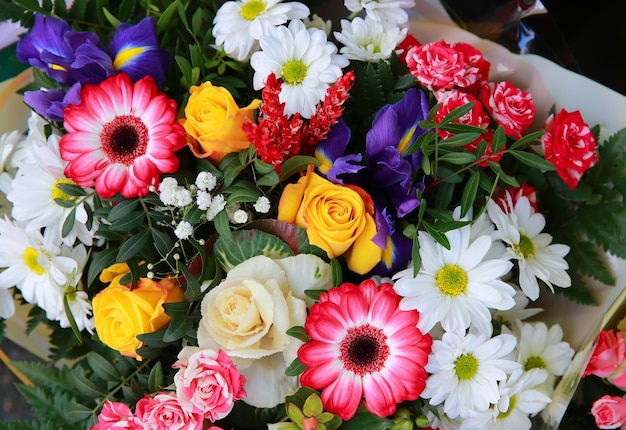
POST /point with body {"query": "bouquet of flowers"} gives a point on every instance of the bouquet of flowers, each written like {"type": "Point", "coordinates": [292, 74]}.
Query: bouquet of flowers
{"type": "Point", "coordinates": [238, 215]}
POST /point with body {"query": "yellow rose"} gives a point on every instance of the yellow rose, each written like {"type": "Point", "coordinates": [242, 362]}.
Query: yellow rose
{"type": "Point", "coordinates": [120, 314]}
{"type": "Point", "coordinates": [248, 314]}
{"type": "Point", "coordinates": [213, 122]}
{"type": "Point", "coordinates": [337, 218]}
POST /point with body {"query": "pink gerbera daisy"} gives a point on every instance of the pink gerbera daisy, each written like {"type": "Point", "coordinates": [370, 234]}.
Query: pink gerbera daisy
{"type": "Point", "coordinates": [364, 348]}
{"type": "Point", "coordinates": [121, 137]}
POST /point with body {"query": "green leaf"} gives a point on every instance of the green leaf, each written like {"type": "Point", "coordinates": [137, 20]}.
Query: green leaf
{"type": "Point", "coordinates": [155, 380]}
{"type": "Point", "coordinates": [68, 224]}
{"type": "Point", "coordinates": [245, 244]}
{"type": "Point", "coordinates": [178, 327]}
{"type": "Point", "coordinates": [100, 261]}
{"type": "Point", "coordinates": [367, 421]}
{"type": "Point", "coordinates": [469, 193]}
{"type": "Point", "coordinates": [499, 140]}
{"type": "Point", "coordinates": [457, 113]}
{"type": "Point", "coordinates": [458, 158]}
{"type": "Point", "coordinates": [437, 235]}
{"type": "Point", "coordinates": [166, 17]}
{"type": "Point", "coordinates": [122, 209]}
{"type": "Point", "coordinates": [102, 367]}
{"type": "Point", "coordinates": [299, 333]}
{"type": "Point", "coordinates": [336, 272]}
{"type": "Point", "coordinates": [112, 19]}
{"type": "Point", "coordinates": [532, 160]}
{"type": "Point", "coordinates": [71, 190]}
{"type": "Point", "coordinates": [193, 288]}
{"type": "Point", "coordinates": [162, 241]}
{"type": "Point", "coordinates": [129, 222]}
{"type": "Point", "coordinates": [295, 368]}
{"type": "Point", "coordinates": [133, 246]}
{"type": "Point", "coordinates": [459, 140]}
{"type": "Point", "coordinates": [529, 138]}
{"type": "Point", "coordinates": [295, 165]}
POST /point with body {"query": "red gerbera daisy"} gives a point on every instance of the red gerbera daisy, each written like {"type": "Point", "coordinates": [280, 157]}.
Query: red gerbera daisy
{"type": "Point", "coordinates": [121, 137]}
{"type": "Point", "coordinates": [364, 348]}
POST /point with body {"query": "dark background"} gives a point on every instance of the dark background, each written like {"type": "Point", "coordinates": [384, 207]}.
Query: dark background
{"type": "Point", "coordinates": [587, 37]}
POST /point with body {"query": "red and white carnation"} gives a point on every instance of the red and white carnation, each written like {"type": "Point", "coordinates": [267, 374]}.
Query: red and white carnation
{"type": "Point", "coordinates": [164, 412]}
{"type": "Point", "coordinates": [569, 144]}
{"type": "Point", "coordinates": [117, 415]}
{"type": "Point", "coordinates": [207, 382]}
{"type": "Point", "coordinates": [511, 107]}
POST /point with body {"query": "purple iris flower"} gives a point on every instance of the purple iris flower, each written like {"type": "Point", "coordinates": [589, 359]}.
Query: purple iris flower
{"type": "Point", "coordinates": [50, 103]}
{"type": "Point", "coordinates": [330, 152]}
{"type": "Point", "coordinates": [394, 129]}
{"type": "Point", "coordinates": [135, 51]}
{"type": "Point", "coordinates": [63, 54]}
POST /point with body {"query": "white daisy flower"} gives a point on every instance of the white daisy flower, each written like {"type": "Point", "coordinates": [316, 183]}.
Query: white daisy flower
{"type": "Point", "coordinates": [465, 371]}
{"type": "Point", "coordinates": [80, 306]}
{"type": "Point", "coordinates": [8, 143]}
{"type": "Point", "coordinates": [306, 62]}
{"type": "Point", "coordinates": [315, 21]}
{"type": "Point", "coordinates": [392, 11]}
{"type": "Point", "coordinates": [519, 400]}
{"type": "Point", "coordinates": [520, 228]}
{"type": "Point", "coordinates": [238, 25]}
{"type": "Point", "coordinates": [519, 311]}
{"type": "Point", "coordinates": [39, 268]}
{"type": "Point", "coordinates": [7, 306]}
{"type": "Point", "coordinates": [455, 287]}
{"type": "Point", "coordinates": [540, 347]}
{"type": "Point", "coordinates": [368, 40]}
{"type": "Point", "coordinates": [35, 191]}
{"type": "Point", "coordinates": [441, 421]}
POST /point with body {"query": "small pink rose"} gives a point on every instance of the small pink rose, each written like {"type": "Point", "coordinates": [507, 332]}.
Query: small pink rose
{"type": "Point", "coordinates": [609, 412]}
{"type": "Point", "coordinates": [163, 412]}
{"type": "Point", "coordinates": [511, 107]}
{"type": "Point", "coordinates": [569, 144]}
{"type": "Point", "coordinates": [117, 415]}
{"type": "Point", "coordinates": [207, 382]}
{"type": "Point", "coordinates": [608, 354]}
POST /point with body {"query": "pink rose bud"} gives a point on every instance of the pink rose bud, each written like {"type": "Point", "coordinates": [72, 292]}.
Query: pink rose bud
{"type": "Point", "coordinates": [609, 412]}
{"type": "Point", "coordinates": [608, 354]}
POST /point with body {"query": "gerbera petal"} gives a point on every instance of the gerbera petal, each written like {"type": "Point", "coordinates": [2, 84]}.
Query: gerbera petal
{"type": "Point", "coordinates": [343, 395]}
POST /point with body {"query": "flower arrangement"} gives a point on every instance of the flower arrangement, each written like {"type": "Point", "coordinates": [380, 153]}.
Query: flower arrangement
{"type": "Point", "coordinates": [234, 216]}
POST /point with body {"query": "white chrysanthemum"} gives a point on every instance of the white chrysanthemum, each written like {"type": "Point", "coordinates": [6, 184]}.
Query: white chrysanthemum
{"type": "Point", "coordinates": [456, 287]}
{"type": "Point", "coordinates": [368, 40]}
{"type": "Point", "coordinates": [306, 62]}
{"type": "Point", "coordinates": [24, 153]}
{"type": "Point", "coordinates": [520, 228]}
{"type": "Point", "coordinates": [217, 205]}
{"type": "Point", "coordinates": [262, 205]}
{"type": "Point", "coordinates": [441, 421]}
{"type": "Point", "coordinates": [238, 25]}
{"type": "Point", "coordinates": [465, 371]}
{"type": "Point", "coordinates": [392, 11]}
{"type": "Point", "coordinates": [519, 400]}
{"type": "Point", "coordinates": [542, 348]}
{"type": "Point", "coordinates": [34, 193]}
{"type": "Point", "coordinates": [39, 268]}
{"type": "Point", "coordinates": [8, 142]}
{"type": "Point", "coordinates": [206, 181]}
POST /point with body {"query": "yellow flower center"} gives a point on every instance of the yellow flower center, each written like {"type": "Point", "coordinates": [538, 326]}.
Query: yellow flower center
{"type": "Point", "coordinates": [534, 362]}
{"type": "Point", "coordinates": [58, 193]}
{"type": "Point", "coordinates": [126, 55]}
{"type": "Point", "coordinates": [294, 72]}
{"type": "Point", "coordinates": [252, 9]}
{"type": "Point", "coordinates": [512, 403]}
{"type": "Point", "coordinates": [451, 280]}
{"type": "Point", "coordinates": [466, 367]}
{"type": "Point", "coordinates": [31, 261]}
{"type": "Point", "coordinates": [525, 247]}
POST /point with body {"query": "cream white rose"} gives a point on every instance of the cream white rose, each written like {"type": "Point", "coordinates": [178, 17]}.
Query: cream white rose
{"type": "Point", "coordinates": [248, 314]}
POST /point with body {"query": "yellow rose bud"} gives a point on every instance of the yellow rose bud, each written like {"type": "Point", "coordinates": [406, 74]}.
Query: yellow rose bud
{"type": "Point", "coordinates": [337, 218]}
{"type": "Point", "coordinates": [120, 314]}
{"type": "Point", "coordinates": [213, 122]}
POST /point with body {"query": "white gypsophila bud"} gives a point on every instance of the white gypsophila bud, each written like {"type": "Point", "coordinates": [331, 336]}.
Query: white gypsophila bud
{"type": "Point", "coordinates": [239, 216]}
{"type": "Point", "coordinates": [182, 197]}
{"type": "Point", "coordinates": [183, 230]}
{"type": "Point", "coordinates": [217, 205]}
{"type": "Point", "coordinates": [206, 181]}
{"type": "Point", "coordinates": [203, 199]}
{"type": "Point", "coordinates": [262, 205]}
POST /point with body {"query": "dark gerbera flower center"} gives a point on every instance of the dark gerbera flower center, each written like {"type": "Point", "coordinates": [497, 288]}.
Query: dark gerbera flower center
{"type": "Point", "coordinates": [124, 139]}
{"type": "Point", "coordinates": [364, 350]}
